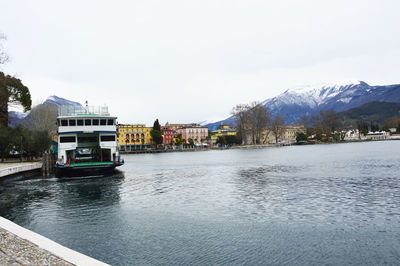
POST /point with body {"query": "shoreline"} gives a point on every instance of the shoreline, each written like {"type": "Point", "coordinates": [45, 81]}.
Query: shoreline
{"type": "Point", "coordinates": [255, 146]}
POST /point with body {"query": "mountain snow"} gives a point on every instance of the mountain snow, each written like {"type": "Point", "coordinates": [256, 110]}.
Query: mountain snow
{"type": "Point", "coordinates": [311, 99]}
{"type": "Point", "coordinates": [61, 101]}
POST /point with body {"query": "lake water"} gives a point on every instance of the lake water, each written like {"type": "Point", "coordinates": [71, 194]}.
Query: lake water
{"type": "Point", "coordinates": [307, 205]}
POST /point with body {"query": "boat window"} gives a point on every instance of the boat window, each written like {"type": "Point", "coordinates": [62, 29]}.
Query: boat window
{"type": "Point", "coordinates": [103, 122]}
{"type": "Point", "coordinates": [110, 122]}
{"type": "Point", "coordinates": [87, 139]}
{"type": "Point", "coordinates": [67, 139]}
{"type": "Point", "coordinates": [108, 138]}
{"type": "Point", "coordinates": [79, 122]}
{"type": "Point", "coordinates": [95, 122]}
{"type": "Point", "coordinates": [88, 122]}
{"type": "Point", "coordinates": [64, 123]}
{"type": "Point", "coordinates": [72, 122]}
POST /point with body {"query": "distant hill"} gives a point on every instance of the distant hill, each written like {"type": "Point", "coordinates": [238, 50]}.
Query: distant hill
{"type": "Point", "coordinates": [375, 112]}
{"type": "Point", "coordinates": [306, 101]}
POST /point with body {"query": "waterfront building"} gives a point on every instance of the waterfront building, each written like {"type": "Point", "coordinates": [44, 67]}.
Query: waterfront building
{"type": "Point", "coordinates": [168, 135]}
{"type": "Point", "coordinates": [378, 135]}
{"type": "Point", "coordinates": [178, 126]}
{"type": "Point", "coordinates": [222, 131]}
{"type": "Point", "coordinates": [197, 133]}
{"type": "Point", "coordinates": [290, 132]}
{"type": "Point", "coordinates": [287, 135]}
{"type": "Point", "coordinates": [133, 137]}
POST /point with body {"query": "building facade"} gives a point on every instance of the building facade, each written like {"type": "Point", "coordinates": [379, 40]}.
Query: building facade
{"type": "Point", "coordinates": [286, 136]}
{"type": "Point", "coordinates": [133, 137]}
{"type": "Point", "coordinates": [197, 133]}
{"type": "Point", "coordinates": [168, 135]}
{"type": "Point", "coordinates": [223, 131]}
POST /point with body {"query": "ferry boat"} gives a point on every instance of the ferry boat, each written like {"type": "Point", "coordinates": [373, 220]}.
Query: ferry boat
{"type": "Point", "coordinates": [87, 141]}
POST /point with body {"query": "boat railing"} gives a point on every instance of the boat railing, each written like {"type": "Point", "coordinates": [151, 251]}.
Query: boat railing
{"type": "Point", "coordinates": [69, 110]}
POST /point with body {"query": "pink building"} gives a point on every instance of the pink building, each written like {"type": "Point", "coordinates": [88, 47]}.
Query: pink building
{"type": "Point", "coordinates": [197, 133]}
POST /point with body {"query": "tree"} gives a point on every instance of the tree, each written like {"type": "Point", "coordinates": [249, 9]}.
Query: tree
{"type": "Point", "coordinates": [191, 142]}
{"type": "Point", "coordinates": [374, 127]}
{"type": "Point", "coordinates": [156, 125]}
{"type": "Point", "coordinates": [260, 118]}
{"type": "Point", "coordinates": [43, 117]}
{"type": "Point", "coordinates": [391, 122]}
{"type": "Point", "coordinates": [300, 137]}
{"type": "Point", "coordinates": [241, 116]}
{"type": "Point", "coordinates": [362, 127]}
{"type": "Point", "coordinates": [6, 141]}
{"type": "Point", "coordinates": [41, 141]}
{"type": "Point", "coordinates": [3, 55]}
{"type": "Point", "coordinates": [277, 126]}
{"type": "Point", "coordinates": [329, 121]}
{"type": "Point", "coordinates": [178, 140]}
{"type": "Point", "coordinates": [156, 137]}
{"type": "Point", "coordinates": [156, 133]}
{"type": "Point", "coordinates": [251, 120]}
{"type": "Point", "coordinates": [12, 92]}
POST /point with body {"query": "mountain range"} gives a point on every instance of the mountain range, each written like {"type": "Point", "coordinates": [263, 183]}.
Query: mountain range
{"type": "Point", "coordinates": [15, 118]}
{"type": "Point", "coordinates": [293, 103]}
{"type": "Point", "coordinates": [309, 100]}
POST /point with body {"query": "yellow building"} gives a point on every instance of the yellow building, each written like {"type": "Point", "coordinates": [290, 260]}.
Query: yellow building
{"type": "Point", "coordinates": [133, 137]}
{"type": "Point", "coordinates": [222, 131]}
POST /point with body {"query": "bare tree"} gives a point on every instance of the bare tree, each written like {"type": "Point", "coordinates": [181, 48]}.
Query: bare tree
{"type": "Point", "coordinates": [43, 117]}
{"type": "Point", "coordinates": [260, 118]}
{"type": "Point", "coordinates": [3, 56]}
{"type": "Point", "coordinates": [329, 121]}
{"type": "Point", "coordinates": [240, 112]}
{"type": "Point", "coordinates": [391, 122]}
{"type": "Point", "coordinates": [277, 126]}
{"type": "Point", "coordinates": [251, 119]}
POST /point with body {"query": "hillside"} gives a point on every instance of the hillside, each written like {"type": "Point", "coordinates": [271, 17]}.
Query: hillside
{"type": "Point", "coordinates": [306, 101]}
{"type": "Point", "coordinates": [375, 112]}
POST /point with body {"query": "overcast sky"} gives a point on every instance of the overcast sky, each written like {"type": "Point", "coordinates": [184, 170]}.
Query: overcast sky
{"type": "Point", "coordinates": [188, 61]}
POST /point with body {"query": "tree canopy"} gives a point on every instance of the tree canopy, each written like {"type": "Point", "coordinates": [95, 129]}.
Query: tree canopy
{"type": "Point", "coordinates": [156, 125]}
{"type": "Point", "coordinates": [156, 136]}
{"type": "Point", "coordinates": [13, 92]}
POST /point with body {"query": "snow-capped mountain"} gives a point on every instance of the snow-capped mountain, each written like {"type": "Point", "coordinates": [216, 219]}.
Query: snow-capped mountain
{"type": "Point", "coordinates": [58, 101]}
{"type": "Point", "coordinates": [309, 100]}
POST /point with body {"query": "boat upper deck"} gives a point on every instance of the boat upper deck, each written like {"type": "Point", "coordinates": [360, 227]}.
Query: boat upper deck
{"type": "Point", "coordinates": [73, 119]}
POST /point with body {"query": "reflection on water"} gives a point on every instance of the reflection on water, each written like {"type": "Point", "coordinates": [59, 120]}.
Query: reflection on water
{"type": "Point", "coordinates": [320, 204]}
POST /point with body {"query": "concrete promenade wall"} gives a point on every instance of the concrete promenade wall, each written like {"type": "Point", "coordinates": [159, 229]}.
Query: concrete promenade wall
{"type": "Point", "coordinates": [40, 243]}
{"type": "Point", "coordinates": [7, 169]}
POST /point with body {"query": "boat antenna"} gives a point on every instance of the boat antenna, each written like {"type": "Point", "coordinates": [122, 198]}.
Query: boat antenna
{"type": "Point", "coordinates": [87, 106]}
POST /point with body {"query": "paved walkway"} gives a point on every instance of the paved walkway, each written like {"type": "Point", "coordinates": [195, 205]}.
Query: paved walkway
{"type": "Point", "coordinates": [17, 251]}
{"type": "Point", "coordinates": [20, 246]}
